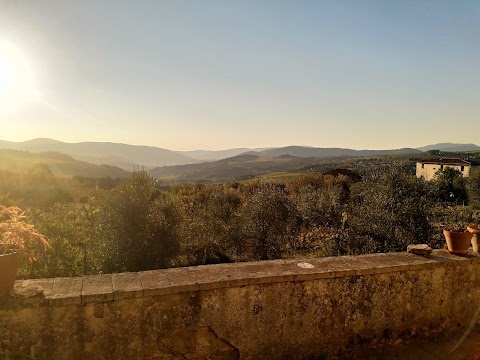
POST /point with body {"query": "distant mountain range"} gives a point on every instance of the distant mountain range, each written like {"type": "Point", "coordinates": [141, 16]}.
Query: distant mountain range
{"type": "Point", "coordinates": [124, 156]}
{"type": "Point", "coordinates": [128, 157]}
{"type": "Point", "coordinates": [303, 151]}
{"type": "Point", "coordinates": [449, 147]}
{"type": "Point", "coordinates": [212, 155]}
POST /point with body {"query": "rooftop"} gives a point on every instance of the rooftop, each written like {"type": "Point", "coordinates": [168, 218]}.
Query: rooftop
{"type": "Point", "coordinates": [451, 161]}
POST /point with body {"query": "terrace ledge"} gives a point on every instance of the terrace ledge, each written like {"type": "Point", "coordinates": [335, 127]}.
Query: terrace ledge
{"type": "Point", "coordinates": [111, 287]}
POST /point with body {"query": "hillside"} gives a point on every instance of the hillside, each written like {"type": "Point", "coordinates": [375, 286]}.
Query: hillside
{"type": "Point", "coordinates": [450, 147]}
{"type": "Point", "coordinates": [237, 167]}
{"type": "Point", "coordinates": [60, 164]}
{"type": "Point", "coordinates": [213, 155]}
{"type": "Point", "coordinates": [124, 156]}
{"type": "Point", "coordinates": [304, 151]}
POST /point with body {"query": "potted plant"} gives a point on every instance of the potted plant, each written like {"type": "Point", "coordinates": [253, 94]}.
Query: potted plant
{"type": "Point", "coordinates": [458, 240]}
{"type": "Point", "coordinates": [17, 238]}
{"type": "Point", "coordinates": [475, 230]}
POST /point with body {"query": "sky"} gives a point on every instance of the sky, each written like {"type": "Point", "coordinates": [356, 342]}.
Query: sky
{"type": "Point", "coordinates": [217, 74]}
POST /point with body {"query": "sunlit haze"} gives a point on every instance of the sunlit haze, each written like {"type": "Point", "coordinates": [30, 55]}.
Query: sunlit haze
{"type": "Point", "coordinates": [220, 74]}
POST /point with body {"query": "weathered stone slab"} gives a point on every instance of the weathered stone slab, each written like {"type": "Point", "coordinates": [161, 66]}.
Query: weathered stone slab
{"type": "Point", "coordinates": [32, 292]}
{"type": "Point", "coordinates": [416, 262]}
{"type": "Point", "coordinates": [268, 272]}
{"type": "Point", "coordinates": [419, 249]}
{"type": "Point", "coordinates": [448, 259]}
{"type": "Point", "coordinates": [302, 272]}
{"type": "Point", "coordinates": [66, 291]}
{"type": "Point", "coordinates": [338, 265]}
{"type": "Point", "coordinates": [218, 276]}
{"type": "Point", "coordinates": [127, 286]}
{"type": "Point", "coordinates": [361, 264]}
{"type": "Point", "coordinates": [182, 280]}
{"type": "Point", "coordinates": [388, 262]}
{"type": "Point", "coordinates": [97, 288]}
{"type": "Point", "coordinates": [155, 283]}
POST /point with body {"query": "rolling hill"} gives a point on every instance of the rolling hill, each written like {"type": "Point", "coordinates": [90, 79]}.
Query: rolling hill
{"type": "Point", "coordinates": [124, 156]}
{"type": "Point", "coordinates": [213, 155]}
{"type": "Point", "coordinates": [60, 164]}
{"type": "Point", "coordinates": [450, 147]}
{"type": "Point", "coordinates": [234, 168]}
{"type": "Point", "coordinates": [305, 152]}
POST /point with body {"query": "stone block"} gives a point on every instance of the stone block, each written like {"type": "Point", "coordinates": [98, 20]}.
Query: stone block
{"type": "Point", "coordinates": [127, 286]}
{"type": "Point", "coordinates": [361, 264]}
{"type": "Point", "coordinates": [218, 276]}
{"type": "Point", "coordinates": [419, 249]}
{"type": "Point", "coordinates": [32, 292]}
{"type": "Point", "coordinates": [155, 283]}
{"type": "Point", "coordinates": [66, 291]}
{"type": "Point", "coordinates": [182, 280]}
{"type": "Point", "coordinates": [97, 288]}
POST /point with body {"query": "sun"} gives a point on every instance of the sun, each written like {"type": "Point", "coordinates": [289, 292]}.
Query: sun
{"type": "Point", "coordinates": [16, 76]}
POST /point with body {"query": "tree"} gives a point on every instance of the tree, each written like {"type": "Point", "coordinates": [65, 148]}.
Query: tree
{"type": "Point", "coordinates": [390, 211]}
{"type": "Point", "coordinates": [473, 190]}
{"type": "Point", "coordinates": [450, 186]}
{"type": "Point", "coordinates": [209, 230]}
{"type": "Point", "coordinates": [137, 226]}
{"type": "Point", "coordinates": [268, 219]}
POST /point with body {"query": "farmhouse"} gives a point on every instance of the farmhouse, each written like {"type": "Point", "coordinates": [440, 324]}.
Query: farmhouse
{"type": "Point", "coordinates": [428, 168]}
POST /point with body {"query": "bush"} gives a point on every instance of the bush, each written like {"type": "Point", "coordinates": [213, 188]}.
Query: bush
{"type": "Point", "coordinates": [473, 190]}
{"type": "Point", "coordinates": [320, 202]}
{"type": "Point", "coordinates": [67, 230]}
{"type": "Point", "coordinates": [450, 186]}
{"type": "Point", "coordinates": [268, 221]}
{"type": "Point", "coordinates": [390, 211]}
{"type": "Point", "coordinates": [136, 227]}
{"type": "Point", "coordinates": [209, 227]}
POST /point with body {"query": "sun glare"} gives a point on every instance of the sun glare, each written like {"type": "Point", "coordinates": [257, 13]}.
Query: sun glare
{"type": "Point", "coordinates": [16, 76]}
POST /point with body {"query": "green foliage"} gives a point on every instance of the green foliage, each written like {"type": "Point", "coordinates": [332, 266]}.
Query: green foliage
{"type": "Point", "coordinates": [136, 227]}
{"type": "Point", "coordinates": [209, 227]}
{"type": "Point", "coordinates": [66, 229]}
{"type": "Point", "coordinates": [37, 188]}
{"type": "Point", "coordinates": [473, 190]}
{"type": "Point", "coordinates": [390, 211]}
{"type": "Point", "coordinates": [320, 200]}
{"type": "Point", "coordinates": [268, 218]}
{"type": "Point", "coordinates": [450, 186]}
{"type": "Point", "coordinates": [137, 224]}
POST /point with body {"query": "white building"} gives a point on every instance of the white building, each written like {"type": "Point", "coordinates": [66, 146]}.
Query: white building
{"type": "Point", "coordinates": [428, 168]}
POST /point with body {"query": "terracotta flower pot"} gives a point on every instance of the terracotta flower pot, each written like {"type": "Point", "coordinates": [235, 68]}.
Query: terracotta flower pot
{"type": "Point", "coordinates": [475, 230]}
{"type": "Point", "coordinates": [8, 271]}
{"type": "Point", "coordinates": [457, 242]}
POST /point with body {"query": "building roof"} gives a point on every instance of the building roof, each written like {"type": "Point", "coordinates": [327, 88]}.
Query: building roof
{"type": "Point", "coordinates": [450, 161]}
{"type": "Point", "coordinates": [352, 175]}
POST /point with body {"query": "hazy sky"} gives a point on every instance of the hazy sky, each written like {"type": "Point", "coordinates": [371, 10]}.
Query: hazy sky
{"type": "Point", "coordinates": [215, 74]}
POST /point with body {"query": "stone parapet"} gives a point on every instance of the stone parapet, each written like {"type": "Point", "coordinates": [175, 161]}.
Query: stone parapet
{"type": "Point", "coordinates": [271, 309]}
{"type": "Point", "coordinates": [110, 287]}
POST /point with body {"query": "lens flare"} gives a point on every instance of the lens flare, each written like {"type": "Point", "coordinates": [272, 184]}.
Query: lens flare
{"type": "Point", "coordinates": [16, 76]}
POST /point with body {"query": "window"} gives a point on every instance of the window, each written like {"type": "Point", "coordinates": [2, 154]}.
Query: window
{"type": "Point", "coordinates": [441, 167]}
{"type": "Point", "coordinates": [423, 166]}
{"type": "Point", "coordinates": [462, 168]}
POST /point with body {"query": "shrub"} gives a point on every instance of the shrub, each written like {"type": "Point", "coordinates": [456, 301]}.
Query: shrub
{"type": "Point", "coordinates": [136, 226]}
{"type": "Point", "coordinates": [473, 190]}
{"type": "Point", "coordinates": [268, 221]}
{"type": "Point", "coordinates": [390, 211]}
{"type": "Point", "coordinates": [67, 231]}
{"type": "Point", "coordinates": [450, 186]}
{"type": "Point", "coordinates": [209, 227]}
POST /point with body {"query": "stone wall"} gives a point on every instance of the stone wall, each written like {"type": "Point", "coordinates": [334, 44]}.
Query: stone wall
{"type": "Point", "coordinates": [282, 309]}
